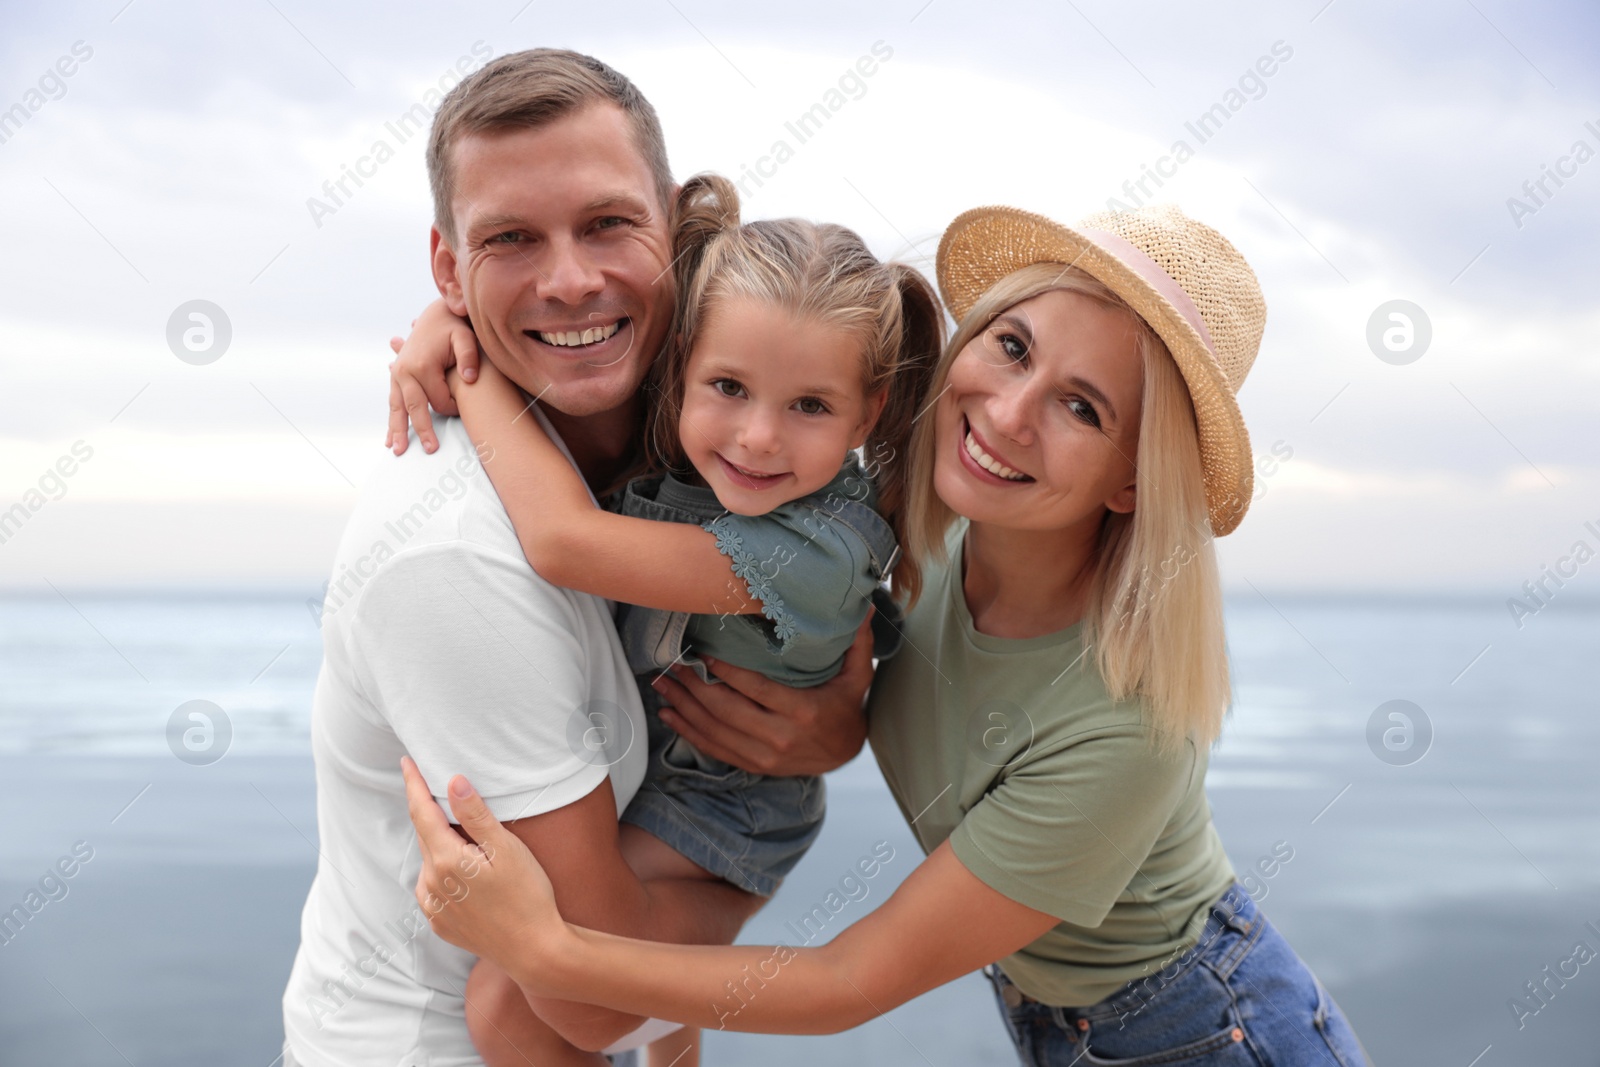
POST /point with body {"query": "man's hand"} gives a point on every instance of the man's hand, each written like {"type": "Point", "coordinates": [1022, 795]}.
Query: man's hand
{"type": "Point", "coordinates": [769, 728]}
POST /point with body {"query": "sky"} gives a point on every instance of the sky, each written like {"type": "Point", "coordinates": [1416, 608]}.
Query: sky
{"type": "Point", "coordinates": [1384, 158]}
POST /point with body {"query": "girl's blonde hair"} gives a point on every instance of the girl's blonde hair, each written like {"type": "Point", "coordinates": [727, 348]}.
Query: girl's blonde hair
{"type": "Point", "coordinates": [1155, 604]}
{"type": "Point", "coordinates": [818, 272]}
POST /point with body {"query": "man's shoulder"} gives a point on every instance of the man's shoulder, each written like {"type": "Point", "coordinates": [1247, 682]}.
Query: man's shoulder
{"type": "Point", "coordinates": [423, 498]}
{"type": "Point", "coordinates": [420, 512]}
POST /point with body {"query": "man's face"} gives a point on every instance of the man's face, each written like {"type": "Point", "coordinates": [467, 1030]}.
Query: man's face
{"type": "Point", "coordinates": [561, 258]}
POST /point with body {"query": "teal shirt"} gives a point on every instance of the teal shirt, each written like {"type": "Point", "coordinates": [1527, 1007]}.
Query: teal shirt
{"type": "Point", "coordinates": [813, 562]}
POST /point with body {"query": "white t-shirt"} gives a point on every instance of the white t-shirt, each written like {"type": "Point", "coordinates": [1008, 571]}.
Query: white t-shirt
{"type": "Point", "coordinates": [439, 642]}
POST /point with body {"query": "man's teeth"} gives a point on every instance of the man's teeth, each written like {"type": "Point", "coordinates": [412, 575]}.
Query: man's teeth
{"type": "Point", "coordinates": [989, 463]}
{"type": "Point", "coordinates": [577, 337]}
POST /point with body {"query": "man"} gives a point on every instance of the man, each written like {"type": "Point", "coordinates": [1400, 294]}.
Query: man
{"type": "Point", "coordinates": [551, 199]}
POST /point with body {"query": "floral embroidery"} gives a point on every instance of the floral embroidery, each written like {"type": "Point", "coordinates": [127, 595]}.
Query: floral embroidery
{"type": "Point", "coordinates": [756, 579]}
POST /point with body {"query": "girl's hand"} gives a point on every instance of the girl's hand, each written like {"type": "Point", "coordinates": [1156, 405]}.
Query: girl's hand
{"type": "Point", "coordinates": [488, 894]}
{"type": "Point", "coordinates": [439, 340]}
{"type": "Point", "coordinates": [484, 376]}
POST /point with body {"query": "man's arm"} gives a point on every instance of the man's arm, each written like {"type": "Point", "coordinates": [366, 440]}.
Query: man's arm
{"type": "Point", "coordinates": [577, 846]}
{"type": "Point", "coordinates": [769, 728]}
{"type": "Point", "coordinates": [478, 666]}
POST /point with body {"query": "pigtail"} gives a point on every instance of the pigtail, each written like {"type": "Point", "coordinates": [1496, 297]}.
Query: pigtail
{"type": "Point", "coordinates": [816, 271]}
{"type": "Point", "coordinates": [707, 208]}
{"type": "Point", "coordinates": [916, 336]}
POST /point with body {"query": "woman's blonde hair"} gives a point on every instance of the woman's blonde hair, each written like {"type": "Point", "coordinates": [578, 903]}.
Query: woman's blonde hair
{"type": "Point", "coordinates": [817, 272]}
{"type": "Point", "coordinates": [1155, 605]}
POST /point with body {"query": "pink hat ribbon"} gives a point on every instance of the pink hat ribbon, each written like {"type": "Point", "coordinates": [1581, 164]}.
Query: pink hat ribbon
{"type": "Point", "coordinates": [1159, 280]}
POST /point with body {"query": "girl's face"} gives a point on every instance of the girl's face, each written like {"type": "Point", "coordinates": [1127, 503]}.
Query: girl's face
{"type": "Point", "coordinates": [772, 404]}
{"type": "Point", "coordinates": [1038, 425]}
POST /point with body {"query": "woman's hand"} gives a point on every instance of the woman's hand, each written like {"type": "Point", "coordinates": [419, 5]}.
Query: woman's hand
{"type": "Point", "coordinates": [488, 894]}
{"type": "Point", "coordinates": [439, 340]}
{"type": "Point", "coordinates": [769, 728]}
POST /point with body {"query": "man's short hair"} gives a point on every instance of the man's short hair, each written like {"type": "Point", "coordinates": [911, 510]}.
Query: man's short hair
{"type": "Point", "coordinates": [529, 89]}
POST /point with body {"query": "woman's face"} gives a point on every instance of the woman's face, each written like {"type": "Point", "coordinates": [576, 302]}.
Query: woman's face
{"type": "Point", "coordinates": [1038, 426]}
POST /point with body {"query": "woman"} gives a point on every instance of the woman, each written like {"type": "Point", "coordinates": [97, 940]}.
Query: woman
{"type": "Point", "coordinates": [1046, 734]}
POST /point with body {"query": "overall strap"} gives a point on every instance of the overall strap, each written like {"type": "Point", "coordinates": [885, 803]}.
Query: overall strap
{"type": "Point", "coordinates": [874, 531]}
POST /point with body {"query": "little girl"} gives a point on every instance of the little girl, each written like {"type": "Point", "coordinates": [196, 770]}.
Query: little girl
{"type": "Point", "coordinates": [764, 537]}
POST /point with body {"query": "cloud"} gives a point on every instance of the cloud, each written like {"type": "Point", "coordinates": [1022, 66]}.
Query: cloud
{"type": "Point", "coordinates": [1374, 165]}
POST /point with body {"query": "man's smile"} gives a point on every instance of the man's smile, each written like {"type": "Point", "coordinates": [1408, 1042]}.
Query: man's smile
{"type": "Point", "coordinates": [577, 337]}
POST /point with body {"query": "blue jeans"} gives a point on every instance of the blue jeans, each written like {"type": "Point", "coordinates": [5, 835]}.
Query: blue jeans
{"type": "Point", "coordinates": [749, 829]}
{"type": "Point", "coordinates": [1239, 997]}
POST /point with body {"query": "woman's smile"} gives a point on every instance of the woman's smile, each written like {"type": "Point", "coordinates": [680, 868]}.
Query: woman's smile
{"type": "Point", "coordinates": [981, 459]}
{"type": "Point", "coordinates": [1021, 422]}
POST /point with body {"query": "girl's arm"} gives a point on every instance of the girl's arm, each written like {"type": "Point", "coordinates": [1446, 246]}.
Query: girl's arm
{"type": "Point", "coordinates": [439, 340]}
{"type": "Point", "coordinates": [572, 543]}
{"type": "Point", "coordinates": [494, 900]}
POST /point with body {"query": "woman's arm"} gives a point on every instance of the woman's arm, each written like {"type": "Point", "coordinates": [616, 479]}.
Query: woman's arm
{"type": "Point", "coordinates": [572, 543]}
{"type": "Point", "coordinates": [494, 900]}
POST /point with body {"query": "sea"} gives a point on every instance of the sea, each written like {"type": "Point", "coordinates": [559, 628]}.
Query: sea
{"type": "Point", "coordinates": [1407, 784]}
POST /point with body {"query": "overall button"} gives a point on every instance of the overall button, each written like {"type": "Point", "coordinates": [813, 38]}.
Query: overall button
{"type": "Point", "coordinates": [1012, 996]}
{"type": "Point", "coordinates": [1237, 1035]}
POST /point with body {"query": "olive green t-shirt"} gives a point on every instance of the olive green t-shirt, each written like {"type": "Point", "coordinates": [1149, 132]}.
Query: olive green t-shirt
{"type": "Point", "coordinates": [1050, 792]}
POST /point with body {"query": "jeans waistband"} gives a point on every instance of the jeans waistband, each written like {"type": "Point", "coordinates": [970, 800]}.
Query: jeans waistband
{"type": "Point", "coordinates": [1234, 910]}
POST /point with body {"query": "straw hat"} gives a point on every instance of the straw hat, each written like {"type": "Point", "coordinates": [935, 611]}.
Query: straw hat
{"type": "Point", "coordinates": [1184, 278]}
